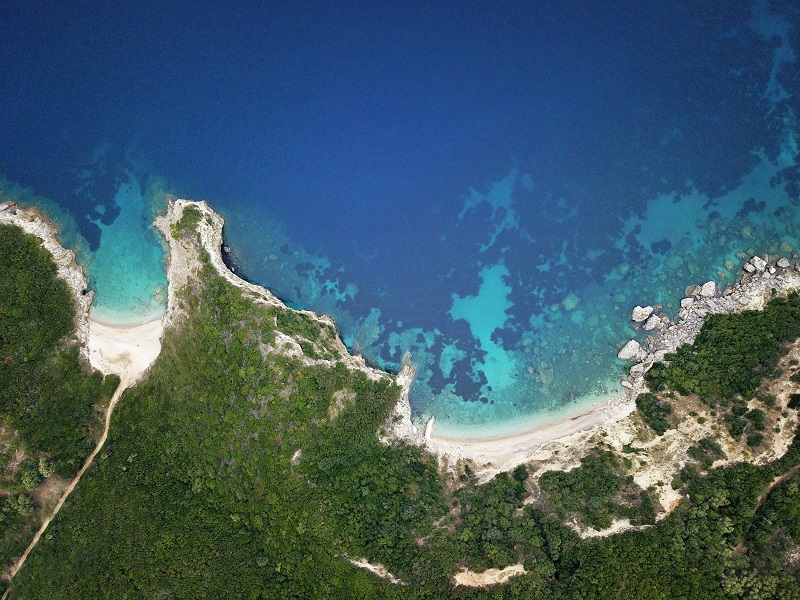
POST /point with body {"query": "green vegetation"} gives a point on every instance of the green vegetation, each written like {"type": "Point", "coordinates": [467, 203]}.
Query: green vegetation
{"type": "Point", "coordinates": [706, 451]}
{"type": "Point", "coordinates": [188, 222]}
{"type": "Point", "coordinates": [50, 405]}
{"type": "Point", "coordinates": [728, 360]}
{"type": "Point", "coordinates": [732, 353]}
{"type": "Point", "coordinates": [597, 492]}
{"type": "Point", "coordinates": [655, 411]}
{"type": "Point", "coordinates": [226, 475]}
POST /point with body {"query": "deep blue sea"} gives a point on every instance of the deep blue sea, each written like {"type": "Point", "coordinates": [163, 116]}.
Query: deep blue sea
{"type": "Point", "coordinates": [488, 186]}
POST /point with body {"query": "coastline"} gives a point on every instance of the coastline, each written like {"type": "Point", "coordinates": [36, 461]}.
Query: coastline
{"type": "Point", "coordinates": [126, 350]}
{"type": "Point", "coordinates": [34, 222]}
{"type": "Point", "coordinates": [129, 349]}
{"type": "Point", "coordinates": [181, 267]}
{"type": "Point", "coordinates": [759, 281]}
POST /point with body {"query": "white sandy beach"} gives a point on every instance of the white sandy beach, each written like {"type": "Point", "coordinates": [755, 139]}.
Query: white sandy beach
{"type": "Point", "coordinates": [124, 350]}
{"type": "Point", "coordinates": [502, 452]}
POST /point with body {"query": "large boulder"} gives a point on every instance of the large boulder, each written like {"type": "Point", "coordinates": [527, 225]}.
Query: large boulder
{"type": "Point", "coordinates": [759, 263]}
{"type": "Point", "coordinates": [708, 289]}
{"type": "Point", "coordinates": [652, 322]}
{"type": "Point", "coordinates": [640, 313]}
{"type": "Point", "coordinates": [784, 263]}
{"type": "Point", "coordinates": [630, 350]}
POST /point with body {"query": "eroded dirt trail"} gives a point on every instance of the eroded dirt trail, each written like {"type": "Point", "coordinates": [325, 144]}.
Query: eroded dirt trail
{"type": "Point", "coordinates": [70, 488]}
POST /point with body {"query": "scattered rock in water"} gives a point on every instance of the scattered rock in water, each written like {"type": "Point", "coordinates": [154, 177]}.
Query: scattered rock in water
{"type": "Point", "coordinates": [687, 302]}
{"type": "Point", "coordinates": [749, 268]}
{"type": "Point", "coordinates": [730, 265]}
{"type": "Point", "coordinates": [675, 262]}
{"type": "Point", "coordinates": [786, 248]}
{"type": "Point", "coordinates": [640, 313]}
{"type": "Point", "coordinates": [783, 263]}
{"type": "Point", "coordinates": [746, 231]}
{"type": "Point", "coordinates": [692, 290]}
{"type": "Point", "coordinates": [630, 350]}
{"type": "Point", "coordinates": [759, 263]}
{"type": "Point", "coordinates": [652, 322]}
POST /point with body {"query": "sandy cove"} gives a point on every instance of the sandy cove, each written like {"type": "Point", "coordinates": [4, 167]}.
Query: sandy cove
{"type": "Point", "coordinates": [125, 350]}
{"type": "Point", "coordinates": [541, 443]}
{"type": "Point", "coordinates": [128, 350]}
{"type": "Point", "coordinates": [555, 444]}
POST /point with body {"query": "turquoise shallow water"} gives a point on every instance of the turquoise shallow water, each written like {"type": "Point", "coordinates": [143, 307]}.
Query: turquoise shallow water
{"type": "Point", "coordinates": [491, 190]}
{"type": "Point", "coordinates": [127, 268]}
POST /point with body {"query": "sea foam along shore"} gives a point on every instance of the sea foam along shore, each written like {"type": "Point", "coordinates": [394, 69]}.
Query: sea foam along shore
{"type": "Point", "coordinates": [760, 281]}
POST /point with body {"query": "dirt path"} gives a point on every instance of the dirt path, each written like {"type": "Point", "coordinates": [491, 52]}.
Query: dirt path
{"type": "Point", "coordinates": [73, 484]}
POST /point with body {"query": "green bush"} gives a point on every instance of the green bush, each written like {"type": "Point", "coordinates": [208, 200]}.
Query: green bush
{"type": "Point", "coordinates": [655, 411]}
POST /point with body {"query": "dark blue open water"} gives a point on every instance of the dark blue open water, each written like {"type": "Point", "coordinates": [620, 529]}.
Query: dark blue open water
{"type": "Point", "coordinates": [491, 186]}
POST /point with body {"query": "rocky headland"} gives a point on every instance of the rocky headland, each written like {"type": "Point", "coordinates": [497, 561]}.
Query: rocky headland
{"type": "Point", "coordinates": [32, 221]}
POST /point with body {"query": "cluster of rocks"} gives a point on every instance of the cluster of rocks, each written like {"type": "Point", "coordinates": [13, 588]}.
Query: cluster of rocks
{"type": "Point", "coordinates": [760, 281]}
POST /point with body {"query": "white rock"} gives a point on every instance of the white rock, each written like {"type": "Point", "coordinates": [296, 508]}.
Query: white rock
{"type": "Point", "coordinates": [692, 290]}
{"type": "Point", "coordinates": [759, 263]}
{"type": "Point", "coordinates": [639, 313]}
{"type": "Point", "coordinates": [687, 302]}
{"type": "Point", "coordinates": [626, 384]}
{"type": "Point", "coordinates": [708, 289]}
{"type": "Point", "coordinates": [783, 263]}
{"type": "Point", "coordinates": [652, 322]}
{"type": "Point", "coordinates": [772, 270]}
{"type": "Point", "coordinates": [629, 350]}
{"type": "Point", "coordinates": [749, 268]}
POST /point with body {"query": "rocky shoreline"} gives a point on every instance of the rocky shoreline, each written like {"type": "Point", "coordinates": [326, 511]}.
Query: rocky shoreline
{"type": "Point", "coordinates": [32, 221]}
{"type": "Point", "coordinates": [182, 265]}
{"type": "Point", "coordinates": [761, 280]}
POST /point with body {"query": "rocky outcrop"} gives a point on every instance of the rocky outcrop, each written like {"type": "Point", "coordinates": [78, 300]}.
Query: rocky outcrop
{"type": "Point", "coordinates": [653, 322]}
{"type": "Point", "coordinates": [640, 313]}
{"type": "Point", "coordinates": [708, 289]}
{"type": "Point", "coordinates": [760, 282]}
{"type": "Point", "coordinates": [630, 351]}
{"type": "Point", "coordinates": [32, 221]}
{"type": "Point", "coordinates": [183, 264]}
